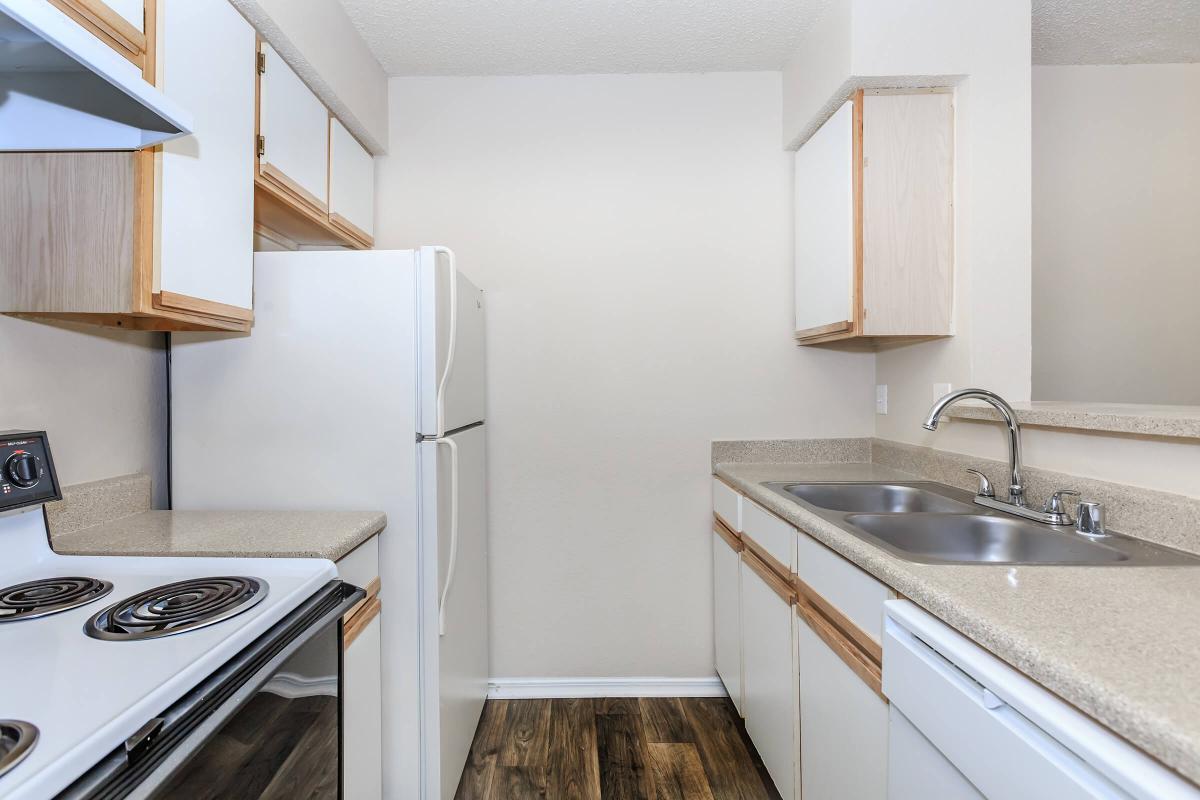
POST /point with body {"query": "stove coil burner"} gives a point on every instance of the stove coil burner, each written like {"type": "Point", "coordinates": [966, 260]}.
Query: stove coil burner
{"type": "Point", "coordinates": [17, 738]}
{"type": "Point", "coordinates": [48, 596]}
{"type": "Point", "coordinates": [176, 608]}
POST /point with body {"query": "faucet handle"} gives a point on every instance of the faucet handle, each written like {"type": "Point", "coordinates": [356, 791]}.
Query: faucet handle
{"type": "Point", "coordinates": [1091, 519]}
{"type": "Point", "coordinates": [985, 486]}
{"type": "Point", "coordinates": [1055, 504]}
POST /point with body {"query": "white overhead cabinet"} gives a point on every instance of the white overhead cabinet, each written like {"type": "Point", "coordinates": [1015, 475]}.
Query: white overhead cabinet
{"type": "Point", "coordinates": [147, 240]}
{"type": "Point", "coordinates": [314, 183]}
{"type": "Point", "coordinates": [874, 221]}
{"type": "Point", "coordinates": [293, 133]}
{"type": "Point", "coordinates": [206, 239]}
{"type": "Point", "coordinates": [351, 185]}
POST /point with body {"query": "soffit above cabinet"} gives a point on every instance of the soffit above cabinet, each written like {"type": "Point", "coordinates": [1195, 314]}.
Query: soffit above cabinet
{"type": "Point", "coordinates": [64, 89]}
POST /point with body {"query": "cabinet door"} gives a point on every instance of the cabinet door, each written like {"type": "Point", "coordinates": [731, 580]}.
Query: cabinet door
{"type": "Point", "coordinates": [351, 184]}
{"type": "Point", "coordinates": [295, 129]}
{"type": "Point", "coordinates": [206, 227]}
{"type": "Point", "coordinates": [727, 616]}
{"type": "Point", "coordinates": [824, 227]}
{"type": "Point", "coordinates": [362, 708]}
{"type": "Point", "coordinates": [120, 24]}
{"type": "Point", "coordinates": [769, 675]}
{"type": "Point", "coordinates": [843, 726]}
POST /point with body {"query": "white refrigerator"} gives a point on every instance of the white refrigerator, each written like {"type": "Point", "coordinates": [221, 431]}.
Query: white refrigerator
{"type": "Point", "coordinates": [361, 386]}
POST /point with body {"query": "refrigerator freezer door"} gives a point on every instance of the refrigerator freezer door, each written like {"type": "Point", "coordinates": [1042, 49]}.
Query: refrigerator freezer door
{"type": "Point", "coordinates": [455, 654]}
{"type": "Point", "coordinates": [449, 333]}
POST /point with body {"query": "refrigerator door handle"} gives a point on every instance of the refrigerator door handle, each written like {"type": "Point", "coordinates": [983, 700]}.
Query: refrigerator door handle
{"type": "Point", "coordinates": [441, 389]}
{"type": "Point", "coordinates": [450, 443]}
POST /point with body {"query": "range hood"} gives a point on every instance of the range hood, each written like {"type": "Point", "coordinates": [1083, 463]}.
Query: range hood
{"type": "Point", "coordinates": [61, 88]}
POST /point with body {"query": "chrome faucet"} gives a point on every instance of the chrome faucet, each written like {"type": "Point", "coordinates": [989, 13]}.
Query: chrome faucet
{"type": "Point", "coordinates": [1054, 512]}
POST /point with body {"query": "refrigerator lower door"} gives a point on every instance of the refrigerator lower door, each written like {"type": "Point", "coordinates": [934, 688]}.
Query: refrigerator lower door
{"type": "Point", "coordinates": [454, 594]}
{"type": "Point", "coordinates": [451, 352]}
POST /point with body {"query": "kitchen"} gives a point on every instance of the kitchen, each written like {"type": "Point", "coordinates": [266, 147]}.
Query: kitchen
{"type": "Point", "coordinates": [240, 343]}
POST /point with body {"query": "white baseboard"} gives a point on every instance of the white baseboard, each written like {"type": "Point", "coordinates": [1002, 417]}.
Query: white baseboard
{"type": "Point", "coordinates": [540, 688]}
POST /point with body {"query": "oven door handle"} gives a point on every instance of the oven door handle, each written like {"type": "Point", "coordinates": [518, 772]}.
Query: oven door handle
{"type": "Point", "coordinates": [195, 718]}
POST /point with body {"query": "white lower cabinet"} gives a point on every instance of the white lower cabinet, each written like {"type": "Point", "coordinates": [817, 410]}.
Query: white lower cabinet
{"type": "Point", "coordinates": [843, 726]}
{"type": "Point", "coordinates": [362, 720]}
{"type": "Point", "coordinates": [769, 675]}
{"type": "Point", "coordinates": [727, 616]}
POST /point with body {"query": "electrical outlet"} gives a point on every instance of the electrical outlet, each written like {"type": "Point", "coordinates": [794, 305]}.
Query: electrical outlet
{"type": "Point", "coordinates": [881, 398]}
{"type": "Point", "coordinates": [940, 390]}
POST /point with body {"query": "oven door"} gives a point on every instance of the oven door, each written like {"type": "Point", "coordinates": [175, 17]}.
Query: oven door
{"type": "Point", "coordinates": [266, 725]}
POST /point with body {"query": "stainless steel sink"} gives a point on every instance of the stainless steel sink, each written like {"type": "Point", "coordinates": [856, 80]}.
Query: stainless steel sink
{"type": "Point", "coordinates": [874, 497]}
{"type": "Point", "coordinates": [977, 538]}
{"type": "Point", "coordinates": [931, 523]}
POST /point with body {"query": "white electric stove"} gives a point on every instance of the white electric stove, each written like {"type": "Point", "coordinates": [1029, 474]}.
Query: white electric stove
{"type": "Point", "coordinates": [121, 673]}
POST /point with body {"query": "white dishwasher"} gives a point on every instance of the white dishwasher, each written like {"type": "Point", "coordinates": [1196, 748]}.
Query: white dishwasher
{"type": "Point", "coordinates": [964, 724]}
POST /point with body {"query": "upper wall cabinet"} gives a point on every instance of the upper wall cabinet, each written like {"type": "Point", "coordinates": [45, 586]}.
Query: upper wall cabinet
{"type": "Point", "coordinates": [149, 240]}
{"type": "Point", "coordinates": [121, 24]}
{"type": "Point", "coordinates": [293, 143]}
{"type": "Point", "coordinates": [314, 183]}
{"type": "Point", "coordinates": [874, 221]}
{"type": "Point", "coordinates": [205, 258]}
{"type": "Point", "coordinates": [351, 184]}
{"type": "Point", "coordinates": [77, 75]}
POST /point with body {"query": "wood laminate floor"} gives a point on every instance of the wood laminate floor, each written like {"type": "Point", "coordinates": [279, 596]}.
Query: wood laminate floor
{"type": "Point", "coordinates": [613, 749]}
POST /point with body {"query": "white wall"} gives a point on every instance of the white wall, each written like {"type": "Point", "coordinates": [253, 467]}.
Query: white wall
{"type": "Point", "coordinates": [100, 395]}
{"type": "Point", "coordinates": [633, 236]}
{"type": "Point", "coordinates": [1116, 246]}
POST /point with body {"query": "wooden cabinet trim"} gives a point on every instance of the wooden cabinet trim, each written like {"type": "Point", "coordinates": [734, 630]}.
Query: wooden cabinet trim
{"type": "Point", "coordinates": [870, 648]}
{"type": "Point", "coordinates": [360, 237]}
{"type": "Point", "coordinates": [196, 305]}
{"type": "Point", "coordinates": [867, 670]}
{"type": "Point", "coordinates": [290, 189]}
{"type": "Point", "coordinates": [781, 570]}
{"type": "Point", "coordinates": [857, 159]}
{"type": "Point", "coordinates": [109, 27]}
{"type": "Point", "coordinates": [845, 327]}
{"type": "Point", "coordinates": [372, 590]}
{"type": "Point", "coordinates": [778, 585]}
{"type": "Point", "coordinates": [359, 622]}
{"type": "Point", "coordinates": [732, 539]}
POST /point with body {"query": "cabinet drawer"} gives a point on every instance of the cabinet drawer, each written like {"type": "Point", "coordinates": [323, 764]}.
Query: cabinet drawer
{"type": "Point", "coordinates": [770, 536]}
{"type": "Point", "coordinates": [727, 504]}
{"type": "Point", "coordinates": [853, 593]}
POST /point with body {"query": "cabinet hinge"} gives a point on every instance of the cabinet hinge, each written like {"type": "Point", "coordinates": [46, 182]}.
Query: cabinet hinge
{"type": "Point", "coordinates": [261, 63]}
{"type": "Point", "coordinates": [262, 146]}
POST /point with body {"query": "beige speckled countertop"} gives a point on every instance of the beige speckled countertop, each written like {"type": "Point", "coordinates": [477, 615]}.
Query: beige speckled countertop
{"type": "Point", "coordinates": [1120, 643]}
{"type": "Point", "coordinates": [305, 534]}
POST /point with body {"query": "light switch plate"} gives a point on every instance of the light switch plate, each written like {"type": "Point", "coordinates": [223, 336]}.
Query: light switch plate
{"type": "Point", "coordinates": [881, 398]}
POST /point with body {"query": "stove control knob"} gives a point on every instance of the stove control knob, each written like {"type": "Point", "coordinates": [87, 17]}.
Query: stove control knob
{"type": "Point", "coordinates": [22, 470]}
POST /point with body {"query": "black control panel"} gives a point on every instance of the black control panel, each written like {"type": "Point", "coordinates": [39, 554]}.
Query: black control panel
{"type": "Point", "coordinates": [27, 472]}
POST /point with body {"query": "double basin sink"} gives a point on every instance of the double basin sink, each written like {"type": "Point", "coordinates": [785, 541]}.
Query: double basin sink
{"type": "Point", "coordinates": [931, 523]}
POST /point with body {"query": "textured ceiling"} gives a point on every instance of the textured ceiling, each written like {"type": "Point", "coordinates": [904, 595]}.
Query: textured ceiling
{"type": "Point", "coordinates": [530, 37]}
{"type": "Point", "coordinates": [1116, 31]}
